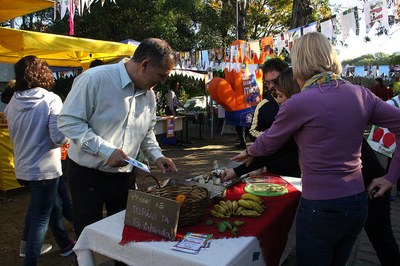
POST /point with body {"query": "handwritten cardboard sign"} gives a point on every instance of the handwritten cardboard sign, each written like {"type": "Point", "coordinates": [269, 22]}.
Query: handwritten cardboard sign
{"type": "Point", "coordinates": [153, 214]}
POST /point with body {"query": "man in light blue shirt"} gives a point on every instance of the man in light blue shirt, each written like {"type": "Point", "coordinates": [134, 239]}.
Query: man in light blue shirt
{"type": "Point", "coordinates": [109, 115]}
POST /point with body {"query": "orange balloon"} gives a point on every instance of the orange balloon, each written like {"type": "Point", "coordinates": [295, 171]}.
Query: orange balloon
{"type": "Point", "coordinates": [221, 92]}
{"type": "Point", "coordinates": [228, 76]}
{"type": "Point", "coordinates": [237, 81]}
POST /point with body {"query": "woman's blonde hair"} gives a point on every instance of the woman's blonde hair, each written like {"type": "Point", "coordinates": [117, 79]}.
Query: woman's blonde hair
{"type": "Point", "coordinates": [313, 54]}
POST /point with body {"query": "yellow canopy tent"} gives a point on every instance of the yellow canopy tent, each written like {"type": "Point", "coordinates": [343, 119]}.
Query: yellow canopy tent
{"type": "Point", "coordinates": [16, 8]}
{"type": "Point", "coordinates": [58, 50]}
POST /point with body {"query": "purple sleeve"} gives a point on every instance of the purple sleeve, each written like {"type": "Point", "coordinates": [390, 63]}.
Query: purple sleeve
{"type": "Point", "coordinates": [287, 121]}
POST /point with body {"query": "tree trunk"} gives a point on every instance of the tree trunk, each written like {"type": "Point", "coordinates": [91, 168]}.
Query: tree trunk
{"type": "Point", "coordinates": [301, 12]}
{"type": "Point", "coordinates": [23, 22]}
{"type": "Point", "coordinates": [31, 21]}
{"type": "Point", "coordinates": [241, 6]}
{"type": "Point", "coordinates": [242, 21]}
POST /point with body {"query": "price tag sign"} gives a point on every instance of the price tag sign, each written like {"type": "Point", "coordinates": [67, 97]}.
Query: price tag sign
{"type": "Point", "coordinates": [153, 214]}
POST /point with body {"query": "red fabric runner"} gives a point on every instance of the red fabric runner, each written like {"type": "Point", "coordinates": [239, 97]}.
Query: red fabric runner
{"type": "Point", "coordinates": [271, 228]}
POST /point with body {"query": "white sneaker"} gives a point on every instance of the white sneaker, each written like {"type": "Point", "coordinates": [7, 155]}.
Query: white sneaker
{"type": "Point", "coordinates": [22, 248]}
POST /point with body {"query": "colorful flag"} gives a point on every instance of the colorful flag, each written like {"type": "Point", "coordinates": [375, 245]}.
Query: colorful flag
{"type": "Point", "coordinates": [376, 15]}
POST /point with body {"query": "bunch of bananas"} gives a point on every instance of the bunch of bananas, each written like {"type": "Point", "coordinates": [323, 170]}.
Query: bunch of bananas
{"type": "Point", "coordinates": [249, 205]}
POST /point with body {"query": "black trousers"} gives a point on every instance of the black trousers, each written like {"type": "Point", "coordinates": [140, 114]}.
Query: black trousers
{"type": "Point", "coordinates": [91, 190]}
{"type": "Point", "coordinates": [379, 231]}
{"type": "Point", "coordinates": [169, 111]}
{"type": "Point", "coordinates": [378, 225]}
{"type": "Point", "coordinates": [242, 132]}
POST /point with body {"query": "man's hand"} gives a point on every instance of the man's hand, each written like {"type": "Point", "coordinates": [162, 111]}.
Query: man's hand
{"type": "Point", "coordinates": [117, 158]}
{"type": "Point", "coordinates": [240, 157]}
{"type": "Point", "coordinates": [166, 165]}
{"type": "Point", "coordinates": [228, 174]}
{"type": "Point", "coordinates": [378, 187]}
{"type": "Point", "coordinates": [243, 157]}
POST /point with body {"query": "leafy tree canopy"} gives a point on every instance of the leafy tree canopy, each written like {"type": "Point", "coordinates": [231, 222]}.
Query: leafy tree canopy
{"type": "Point", "coordinates": [195, 24]}
{"type": "Point", "coordinates": [374, 60]}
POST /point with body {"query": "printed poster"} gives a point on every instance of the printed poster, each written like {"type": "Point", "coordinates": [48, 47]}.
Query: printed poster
{"type": "Point", "coordinates": [251, 91]}
{"type": "Point", "coordinates": [381, 139]}
{"type": "Point", "coordinates": [376, 15]}
{"type": "Point", "coordinates": [267, 46]}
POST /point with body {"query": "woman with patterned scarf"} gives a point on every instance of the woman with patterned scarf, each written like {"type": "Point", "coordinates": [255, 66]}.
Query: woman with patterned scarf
{"type": "Point", "coordinates": [328, 118]}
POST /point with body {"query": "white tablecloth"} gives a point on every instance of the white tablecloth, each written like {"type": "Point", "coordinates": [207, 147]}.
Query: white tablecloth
{"type": "Point", "coordinates": [104, 236]}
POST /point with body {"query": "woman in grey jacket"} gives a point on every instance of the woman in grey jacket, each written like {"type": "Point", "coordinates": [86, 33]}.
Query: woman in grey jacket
{"type": "Point", "coordinates": [32, 122]}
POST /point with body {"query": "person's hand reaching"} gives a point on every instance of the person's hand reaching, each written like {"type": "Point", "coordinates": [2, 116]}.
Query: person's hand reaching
{"type": "Point", "coordinates": [228, 174]}
{"type": "Point", "coordinates": [244, 156]}
{"type": "Point", "coordinates": [166, 165]}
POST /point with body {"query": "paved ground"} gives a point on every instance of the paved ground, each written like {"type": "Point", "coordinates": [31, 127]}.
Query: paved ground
{"type": "Point", "coordinates": [191, 159]}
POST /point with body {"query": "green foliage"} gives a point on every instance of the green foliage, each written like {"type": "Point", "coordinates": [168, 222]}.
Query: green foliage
{"type": "Point", "coordinates": [369, 82]}
{"type": "Point", "coordinates": [366, 82]}
{"type": "Point", "coordinates": [216, 25]}
{"type": "Point", "coordinates": [374, 60]}
{"type": "Point", "coordinates": [172, 20]}
{"type": "Point", "coordinates": [396, 88]}
{"type": "Point", "coordinates": [193, 25]}
{"type": "Point", "coordinates": [186, 25]}
{"type": "Point", "coordinates": [189, 88]}
{"type": "Point", "coordinates": [395, 59]}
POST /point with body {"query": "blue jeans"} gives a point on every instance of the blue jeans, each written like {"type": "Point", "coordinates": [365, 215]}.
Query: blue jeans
{"type": "Point", "coordinates": [44, 209]}
{"type": "Point", "coordinates": [327, 229]}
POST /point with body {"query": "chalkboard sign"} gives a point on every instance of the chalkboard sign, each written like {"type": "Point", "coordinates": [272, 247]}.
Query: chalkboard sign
{"type": "Point", "coordinates": [153, 214]}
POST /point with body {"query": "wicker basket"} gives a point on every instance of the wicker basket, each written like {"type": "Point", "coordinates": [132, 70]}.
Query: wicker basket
{"type": "Point", "coordinates": [194, 206]}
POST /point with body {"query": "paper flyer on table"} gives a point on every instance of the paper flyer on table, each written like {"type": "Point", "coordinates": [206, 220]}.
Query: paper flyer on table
{"type": "Point", "coordinates": [138, 164]}
{"type": "Point", "coordinates": [192, 243]}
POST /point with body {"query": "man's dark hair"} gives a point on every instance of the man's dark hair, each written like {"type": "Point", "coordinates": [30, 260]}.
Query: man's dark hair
{"type": "Point", "coordinates": [96, 63]}
{"type": "Point", "coordinates": [155, 50]}
{"type": "Point", "coordinates": [380, 81]}
{"type": "Point", "coordinates": [274, 64]}
{"type": "Point", "coordinates": [173, 84]}
{"type": "Point", "coordinates": [8, 92]}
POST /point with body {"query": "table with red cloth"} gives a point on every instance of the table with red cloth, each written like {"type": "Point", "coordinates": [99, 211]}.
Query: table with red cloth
{"type": "Point", "coordinates": [260, 241]}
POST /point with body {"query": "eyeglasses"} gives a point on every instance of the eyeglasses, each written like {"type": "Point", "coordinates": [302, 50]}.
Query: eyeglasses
{"type": "Point", "coordinates": [268, 83]}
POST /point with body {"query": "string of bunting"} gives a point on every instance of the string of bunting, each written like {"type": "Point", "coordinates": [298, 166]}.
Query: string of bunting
{"type": "Point", "coordinates": [337, 28]}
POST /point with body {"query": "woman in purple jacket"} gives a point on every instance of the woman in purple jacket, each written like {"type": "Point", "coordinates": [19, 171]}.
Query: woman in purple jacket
{"type": "Point", "coordinates": [328, 118]}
